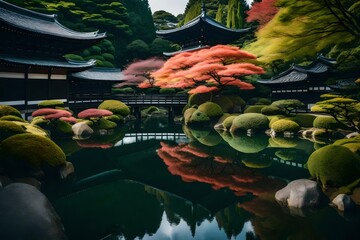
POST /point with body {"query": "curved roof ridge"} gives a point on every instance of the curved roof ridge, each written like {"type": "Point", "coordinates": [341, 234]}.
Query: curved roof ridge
{"type": "Point", "coordinates": [27, 12]}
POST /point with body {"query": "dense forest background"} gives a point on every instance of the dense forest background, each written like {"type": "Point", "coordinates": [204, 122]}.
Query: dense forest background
{"type": "Point", "coordinates": [285, 31]}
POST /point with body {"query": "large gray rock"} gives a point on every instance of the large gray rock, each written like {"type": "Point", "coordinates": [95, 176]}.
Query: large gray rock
{"type": "Point", "coordinates": [343, 202]}
{"type": "Point", "coordinates": [81, 129]}
{"type": "Point", "coordinates": [301, 193]}
{"type": "Point", "coordinates": [27, 214]}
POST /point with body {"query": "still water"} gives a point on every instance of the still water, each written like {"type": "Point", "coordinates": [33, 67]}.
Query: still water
{"type": "Point", "coordinates": [178, 183]}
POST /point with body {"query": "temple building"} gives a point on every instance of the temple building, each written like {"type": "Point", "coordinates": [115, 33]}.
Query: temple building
{"type": "Point", "coordinates": [32, 46]}
{"type": "Point", "coordinates": [303, 83]}
{"type": "Point", "coordinates": [201, 32]}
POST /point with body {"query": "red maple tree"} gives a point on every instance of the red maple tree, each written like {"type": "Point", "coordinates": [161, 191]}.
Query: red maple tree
{"type": "Point", "coordinates": [207, 70]}
{"type": "Point", "coordinates": [139, 72]}
{"type": "Point", "coordinates": [262, 12]}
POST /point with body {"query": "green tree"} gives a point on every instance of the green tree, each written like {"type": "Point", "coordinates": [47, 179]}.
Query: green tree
{"type": "Point", "coordinates": [287, 105]}
{"type": "Point", "coordinates": [138, 49]}
{"type": "Point", "coordinates": [344, 110]}
{"type": "Point", "coordinates": [303, 28]}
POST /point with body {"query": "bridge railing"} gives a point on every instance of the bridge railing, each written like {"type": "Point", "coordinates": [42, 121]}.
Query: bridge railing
{"type": "Point", "coordinates": [152, 99]}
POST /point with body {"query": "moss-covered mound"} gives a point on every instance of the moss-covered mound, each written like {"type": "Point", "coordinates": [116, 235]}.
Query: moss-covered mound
{"type": "Point", "coordinates": [122, 90]}
{"type": "Point", "coordinates": [271, 110]}
{"type": "Point", "coordinates": [286, 154]}
{"type": "Point", "coordinates": [8, 110]}
{"type": "Point", "coordinates": [257, 162]}
{"type": "Point", "coordinates": [9, 128]}
{"type": "Point", "coordinates": [62, 128]}
{"type": "Point", "coordinates": [238, 103]}
{"type": "Point", "coordinates": [281, 142]}
{"type": "Point", "coordinates": [224, 102]}
{"type": "Point", "coordinates": [304, 120]}
{"type": "Point", "coordinates": [284, 125]}
{"type": "Point", "coordinates": [188, 113]}
{"type": "Point", "coordinates": [353, 144]}
{"type": "Point", "coordinates": [198, 98]}
{"type": "Point", "coordinates": [167, 91]}
{"type": "Point", "coordinates": [105, 124]}
{"type": "Point", "coordinates": [150, 110]}
{"type": "Point", "coordinates": [115, 118]}
{"type": "Point", "coordinates": [253, 121]}
{"type": "Point", "coordinates": [31, 149]}
{"type": "Point", "coordinates": [212, 110]}
{"type": "Point", "coordinates": [212, 139]}
{"type": "Point", "coordinates": [199, 117]}
{"type": "Point", "coordinates": [12, 118]}
{"type": "Point", "coordinates": [326, 122]}
{"type": "Point", "coordinates": [227, 123]}
{"type": "Point", "coordinates": [254, 109]}
{"type": "Point", "coordinates": [274, 118]}
{"type": "Point", "coordinates": [51, 104]}
{"type": "Point", "coordinates": [334, 165]}
{"type": "Point", "coordinates": [116, 107]}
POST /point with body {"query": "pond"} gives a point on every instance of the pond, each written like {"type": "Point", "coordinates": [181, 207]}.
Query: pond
{"type": "Point", "coordinates": [178, 183]}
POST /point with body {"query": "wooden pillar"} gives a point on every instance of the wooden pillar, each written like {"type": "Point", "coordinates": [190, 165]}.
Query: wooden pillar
{"type": "Point", "coordinates": [26, 79]}
{"type": "Point", "coordinates": [48, 84]}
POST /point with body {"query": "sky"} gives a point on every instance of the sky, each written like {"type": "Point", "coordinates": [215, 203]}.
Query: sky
{"type": "Point", "coordinates": [172, 6]}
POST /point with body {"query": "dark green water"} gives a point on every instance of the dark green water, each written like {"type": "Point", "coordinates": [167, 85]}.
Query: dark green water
{"type": "Point", "coordinates": [164, 185]}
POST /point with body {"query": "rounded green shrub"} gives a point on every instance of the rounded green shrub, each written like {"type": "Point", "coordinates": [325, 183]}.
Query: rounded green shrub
{"type": "Point", "coordinates": [167, 90]}
{"type": "Point", "coordinates": [116, 107]}
{"type": "Point", "coordinates": [212, 139]}
{"type": "Point", "coordinates": [150, 110]}
{"type": "Point", "coordinates": [51, 104]}
{"type": "Point", "coordinates": [304, 120]}
{"type": "Point", "coordinates": [351, 143]}
{"type": "Point", "coordinates": [9, 128]}
{"type": "Point", "coordinates": [115, 118]}
{"type": "Point", "coordinates": [224, 102]}
{"type": "Point", "coordinates": [105, 124]}
{"type": "Point", "coordinates": [253, 121]}
{"type": "Point", "coordinates": [108, 57]}
{"type": "Point", "coordinates": [188, 113]}
{"type": "Point", "coordinates": [198, 117]}
{"type": "Point", "coordinates": [8, 110]}
{"type": "Point", "coordinates": [334, 165]}
{"type": "Point", "coordinates": [12, 118]}
{"type": "Point", "coordinates": [198, 98]}
{"type": "Point", "coordinates": [95, 50]}
{"type": "Point", "coordinates": [237, 101]}
{"type": "Point", "coordinates": [271, 110]}
{"type": "Point", "coordinates": [228, 122]}
{"type": "Point", "coordinates": [212, 110]}
{"type": "Point", "coordinates": [31, 149]}
{"type": "Point", "coordinates": [284, 125]}
{"type": "Point", "coordinates": [107, 64]}
{"type": "Point", "coordinates": [40, 121]}
{"type": "Point", "coordinates": [274, 118]}
{"type": "Point", "coordinates": [326, 122]}
{"type": "Point", "coordinates": [254, 109]}
{"type": "Point", "coordinates": [124, 90]}
{"type": "Point", "coordinates": [62, 128]}
{"type": "Point", "coordinates": [33, 129]}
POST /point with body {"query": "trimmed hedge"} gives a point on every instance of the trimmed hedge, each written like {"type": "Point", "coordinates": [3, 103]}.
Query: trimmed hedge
{"type": "Point", "coordinates": [167, 91]}
{"type": "Point", "coordinates": [224, 102]}
{"type": "Point", "coordinates": [246, 144]}
{"type": "Point", "coordinates": [12, 118]}
{"type": "Point", "coordinates": [199, 117]}
{"type": "Point", "coordinates": [8, 110]}
{"type": "Point", "coordinates": [227, 123]}
{"type": "Point", "coordinates": [116, 107]}
{"type": "Point", "coordinates": [326, 122]}
{"type": "Point", "coordinates": [198, 98]}
{"type": "Point", "coordinates": [253, 121]}
{"type": "Point", "coordinates": [254, 109]}
{"type": "Point", "coordinates": [334, 165]}
{"type": "Point", "coordinates": [271, 110]}
{"type": "Point", "coordinates": [9, 128]}
{"type": "Point", "coordinates": [188, 113]}
{"type": "Point", "coordinates": [304, 120]}
{"type": "Point", "coordinates": [284, 125]}
{"type": "Point", "coordinates": [51, 104]}
{"type": "Point", "coordinates": [212, 110]}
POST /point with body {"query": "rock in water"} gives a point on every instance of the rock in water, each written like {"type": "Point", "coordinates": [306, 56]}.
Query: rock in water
{"type": "Point", "coordinates": [343, 202]}
{"type": "Point", "coordinates": [301, 193]}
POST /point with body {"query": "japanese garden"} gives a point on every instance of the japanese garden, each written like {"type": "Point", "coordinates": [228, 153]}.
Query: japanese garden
{"type": "Point", "coordinates": [232, 120]}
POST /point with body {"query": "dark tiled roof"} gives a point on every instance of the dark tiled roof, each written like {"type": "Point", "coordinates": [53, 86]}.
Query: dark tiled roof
{"type": "Point", "coordinates": [55, 63]}
{"type": "Point", "coordinates": [345, 85]}
{"type": "Point", "coordinates": [203, 27]}
{"type": "Point", "coordinates": [298, 73]}
{"type": "Point", "coordinates": [40, 23]}
{"type": "Point", "coordinates": [104, 74]}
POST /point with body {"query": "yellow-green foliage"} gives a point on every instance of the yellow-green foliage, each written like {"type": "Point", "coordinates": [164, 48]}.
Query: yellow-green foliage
{"type": "Point", "coordinates": [115, 118]}
{"type": "Point", "coordinates": [8, 129]}
{"type": "Point", "coordinates": [167, 90]}
{"type": "Point", "coordinates": [212, 139]}
{"type": "Point", "coordinates": [304, 120]}
{"type": "Point", "coordinates": [257, 162]}
{"type": "Point", "coordinates": [273, 119]}
{"type": "Point", "coordinates": [31, 149]}
{"type": "Point", "coordinates": [320, 133]}
{"type": "Point", "coordinates": [198, 98]}
{"type": "Point", "coordinates": [12, 118]}
{"type": "Point", "coordinates": [212, 110]}
{"type": "Point", "coordinates": [150, 110]}
{"type": "Point", "coordinates": [334, 165]}
{"type": "Point", "coordinates": [246, 144]}
{"type": "Point", "coordinates": [237, 101]}
{"type": "Point", "coordinates": [224, 102]}
{"type": "Point", "coordinates": [41, 121]}
{"type": "Point", "coordinates": [228, 122]}
{"type": "Point", "coordinates": [8, 110]}
{"type": "Point", "coordinates": [106, 124]}
{"type": "Point", "coordinates": [51, 104]}
{"type": "Point", "coordinates": [199, 117]}
{"type": "Point", "coordinates": [283, 142]}
{"type": "Point", "coordinates": [326, 122]}
{"type": "Point", "coordinates": [254, 109]}
{"type": "Point", "coordinates": [116, 107]}
{"type": "Point", "coordinates": [33, 129]}
{"type": "Point", "coordinates": [122, 90]}
{"type": "Point", "coordinates": [271, 110]}
{"type": "Point", "coordinates": [62, 128]}
{"type": "Point", "coordinates": [351, 143]}
{"type": "Point", "coordinates": [284, 125]}
{"type": "Point", "coordinates": [188, 113]}
{"type": "Point", "coordinates": [253, 121]}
